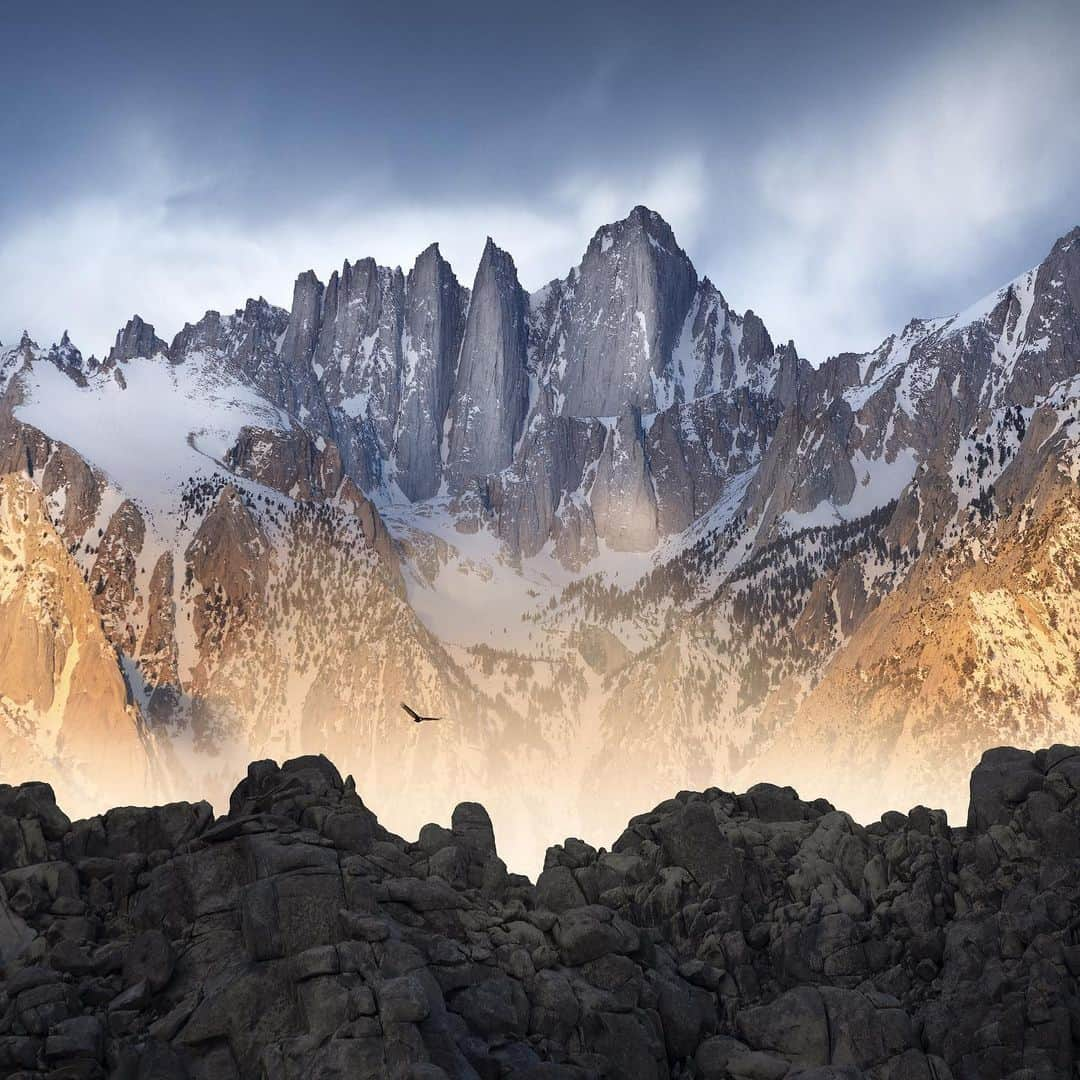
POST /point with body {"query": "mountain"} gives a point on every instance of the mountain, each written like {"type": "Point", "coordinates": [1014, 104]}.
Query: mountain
{"type": "Point", "coordinates": [609, 530]}
{"type": "Point", "coordinates": [723, 937]}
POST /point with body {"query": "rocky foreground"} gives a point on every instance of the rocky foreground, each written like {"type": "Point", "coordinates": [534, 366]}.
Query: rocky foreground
{"type": "Point", "coordinates": [750, 936]}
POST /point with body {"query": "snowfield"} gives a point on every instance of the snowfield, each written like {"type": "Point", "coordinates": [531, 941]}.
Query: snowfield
{"type": "Point", "coordinates": [169, 422]}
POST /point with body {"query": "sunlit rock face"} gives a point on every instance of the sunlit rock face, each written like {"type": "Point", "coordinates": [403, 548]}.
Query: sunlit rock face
{"type": "Point", "coordinates": [112, 577]}
{"type": "Point", "coordinates": [618, 539]}
{"type": "Point", "coordinates": [623, 500]}
{"type": "Point", "coordinates": [64, 706]}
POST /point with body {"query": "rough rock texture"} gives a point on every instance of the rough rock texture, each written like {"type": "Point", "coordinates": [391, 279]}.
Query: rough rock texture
{"type": "Point", "coordinates": [358, 354]}
{"type": "Point", "coordinates": [63, 697]}
{"type": "Point", "coordinates": [136, 339]}
{"type": "Point", "coordinates": [631, 337]}
{"type": "Point", "coordinates": [245, 341]}
{"type": "Point", "coordinates": [292, 462]}
{"type": "Point", "coordinates": [229, 558]}
{"type": "Point", "coordinates": [869, 564]}
{"type": "Point", "coordinates": [435, 306]}
{"type": "Point", "coordinates": [68, 358]}
{"type": "Point", "coordinates": [492, 391]}
{"type": "Point", "coordinates": [530, 500]}
{"type": "Point", "coordinates": [112, 578]}
{"type": "Point", "coordinates": [158, 652]}
{"type": "Point", "coordinates": [619, 317]}
{"type": "Point", "coordinates": [724, 937]}
{"type": "Point", "coordinates": [623, 500]}
{"type": "Point", "coordinates": [298, 388]}
{"type": "Point", "coordinates": [416, 380]}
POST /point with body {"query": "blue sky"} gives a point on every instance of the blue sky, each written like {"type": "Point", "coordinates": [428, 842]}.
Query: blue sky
{"type": "Point", "coordinates": [838, 167]}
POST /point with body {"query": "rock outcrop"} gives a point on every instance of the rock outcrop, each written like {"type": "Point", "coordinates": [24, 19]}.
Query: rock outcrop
{"type": "Point", "coordinates": [245, 343]}
{"type": "Point", "coordinates": [65, 712]}
{"type": "Point", "coordinates": [113, 575]}
{"type": "Point", "coordinates": [492, 392]}
{"type": "Point", "coordinates": [435, 306]}
{"type": "Point", "coordinates": [136, 339]}
{"type": "Point", "coordinates": [623, 499]}
{"type": "Point", "coordinates": [358, 356]}
{"type": "Point", "coordinates": [723, 937]}
{"type": "Point", "coordinates": [618, 318]}
{"type": "Point", "coordinates": [293, 376]}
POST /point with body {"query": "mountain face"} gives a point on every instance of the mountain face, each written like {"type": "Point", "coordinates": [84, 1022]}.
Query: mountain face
{"type": "Point", "coordinates": [431, 342]}
{"type": "Point", "coordinates": [609, 530]}
{"type": "Point", "coordinates": [491, 395]}
{"type": "Point", "coordinates": [723, 937]}
{"type": "Point", "coordinates": [65, 710]}
{"type": "Point", "coordinates": [609, 329]}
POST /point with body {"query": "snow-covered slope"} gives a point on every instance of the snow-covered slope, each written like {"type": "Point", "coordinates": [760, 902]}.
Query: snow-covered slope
{"type": "Point", "coordinates": [148, 426]}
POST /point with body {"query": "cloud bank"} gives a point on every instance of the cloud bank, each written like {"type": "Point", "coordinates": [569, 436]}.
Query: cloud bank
{"type": "Point", "coordinates": [836, 215]}
{"type": "Point", "coordinates": [952, 184]}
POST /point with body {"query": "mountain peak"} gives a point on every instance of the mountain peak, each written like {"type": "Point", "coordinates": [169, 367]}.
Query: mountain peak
{"type": "Point", "coordinates": [254, 309]}
{"type": "Point", "coordinates": [653, 225]}
{"type": "Point", "coordinates": [431, 252]}
{"type": "Point", "coordinates": [1070, 238]}
{"type": "Point", "coordinates": [497, 261]}
{"type": "Point", "coordinates": [618, 326]}
{"type": "Point", "coordinates": [640, 227]}
{"type": "Point", "coordinates": [305, 280]}
{"type": "Point", "coordinates": [491, 250]}
{"type": "Point", "coordinates": [65, 355]}
{"type": "Point", "coordinates": [136, 339]}
{"type": "Point", "coordinates": [642, 215]}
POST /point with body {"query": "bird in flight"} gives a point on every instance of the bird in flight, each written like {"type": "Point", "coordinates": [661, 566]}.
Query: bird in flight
{"type": "Point", "coordinates": [417, 718]}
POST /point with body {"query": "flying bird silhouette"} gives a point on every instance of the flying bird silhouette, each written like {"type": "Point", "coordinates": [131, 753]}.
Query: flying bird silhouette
{"type": "Point", "coordinates": [417, 718]}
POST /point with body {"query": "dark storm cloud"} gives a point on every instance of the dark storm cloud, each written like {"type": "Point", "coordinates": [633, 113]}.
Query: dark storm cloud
{"type": "Point", "coordinates": [838, 167]}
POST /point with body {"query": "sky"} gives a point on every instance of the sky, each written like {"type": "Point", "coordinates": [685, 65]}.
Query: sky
{"type": "Point", "coordinates": [838, 167]}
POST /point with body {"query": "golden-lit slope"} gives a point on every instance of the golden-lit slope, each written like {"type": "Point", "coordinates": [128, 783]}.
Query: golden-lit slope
{"type": "Point", "coordinates": [979, 645]}
{"type": "Point", "coordinates": [64, 709]}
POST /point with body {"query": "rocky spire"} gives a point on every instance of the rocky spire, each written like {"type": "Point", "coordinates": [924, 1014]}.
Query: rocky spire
{"type": "Point", "coordinates": [136, 339]}
{"type": "Point", "coordinates": [435, 306]}
{"type": "Point", "coordinates": [358, 353]}
{"type": "Point", "coordinates": [25, 352]}
{"type": "Point", "coordinates": [299, 389]}
{"type": "Point", "coordinates": [491, 395]}
{"type": "Point", "coordinates": [67, 357]}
